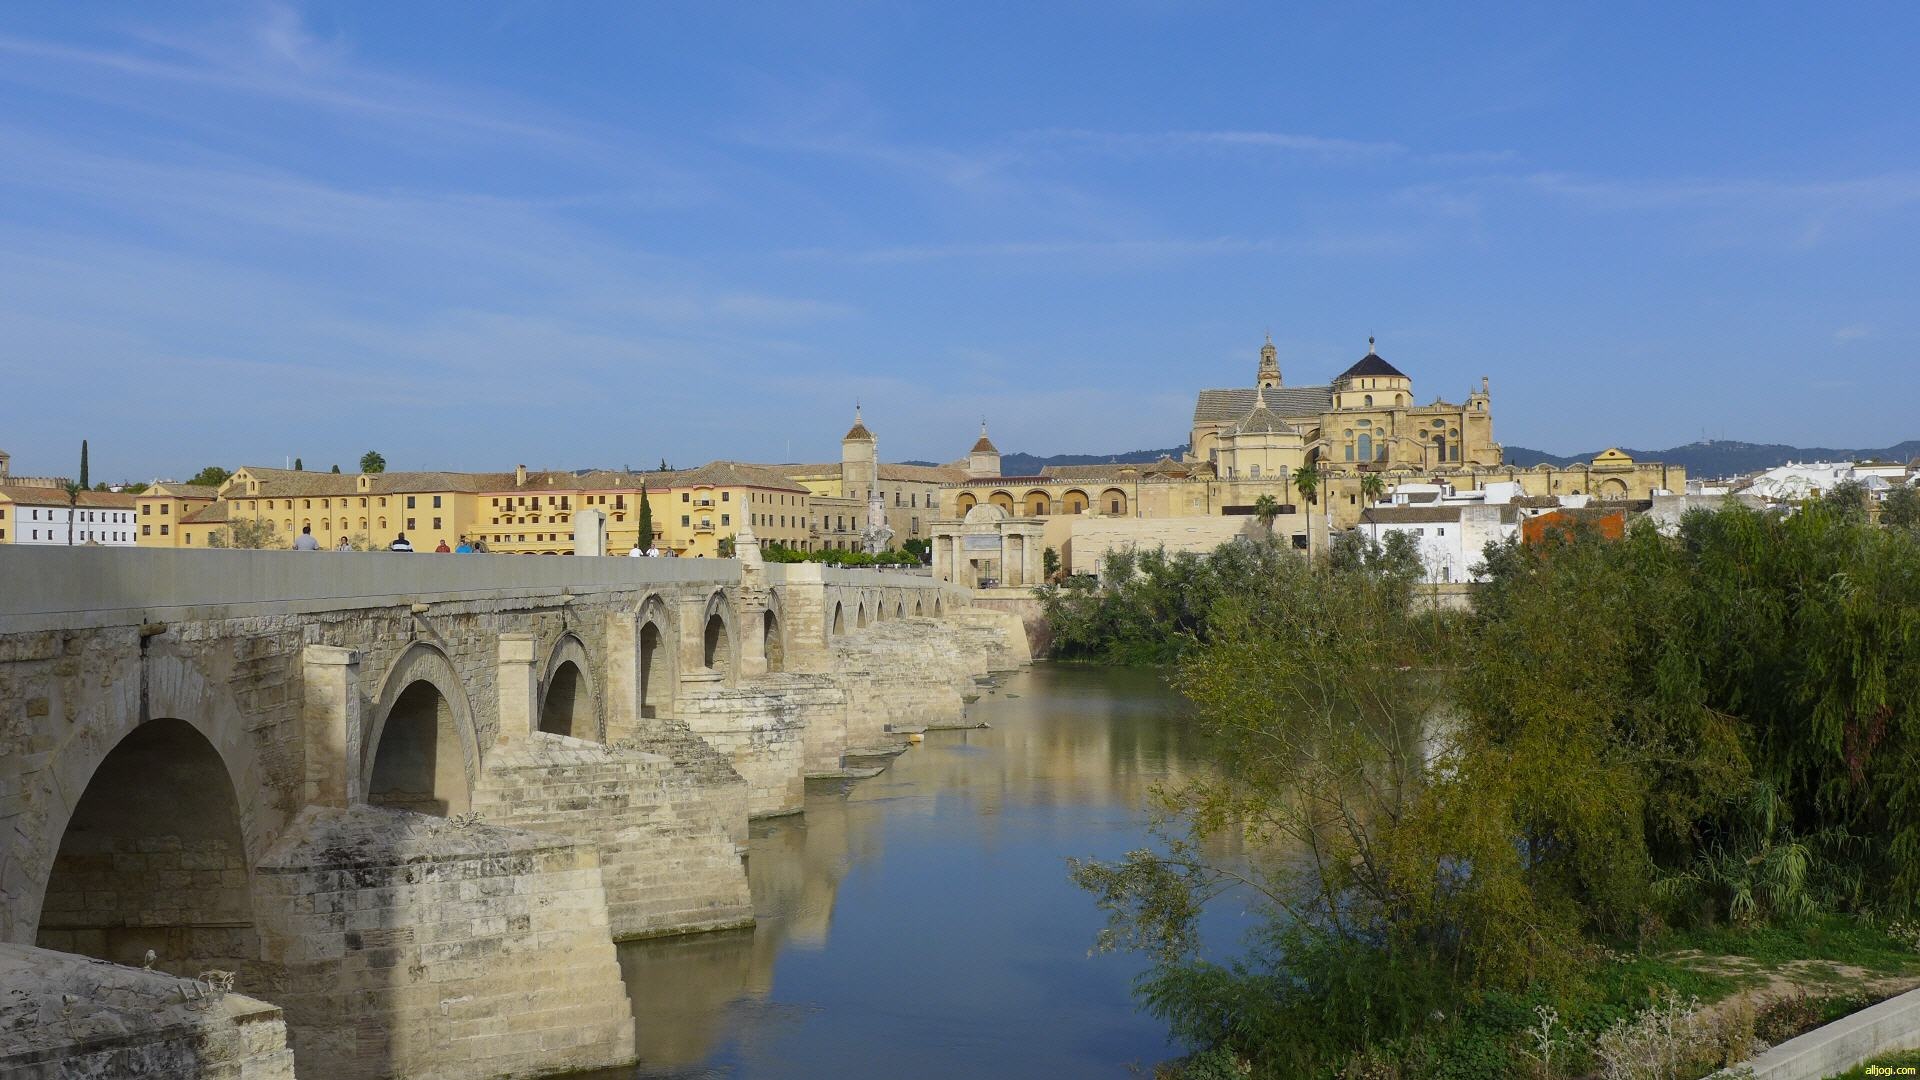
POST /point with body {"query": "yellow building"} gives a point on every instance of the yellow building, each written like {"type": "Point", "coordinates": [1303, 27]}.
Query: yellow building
{"type": "Point", "coordinates": [161, 508]}
{"type": "Point", "coordinates": [693, 510]}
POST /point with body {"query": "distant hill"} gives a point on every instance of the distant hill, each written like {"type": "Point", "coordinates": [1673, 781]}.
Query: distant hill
{"type": "Point", "coordinates": [1722, 457]}
{"type": "Point", "coordinates": [1031, 464]}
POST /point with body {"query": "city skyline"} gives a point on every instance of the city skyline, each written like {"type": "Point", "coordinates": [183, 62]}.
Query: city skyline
{"type": "Point", "coordinates": [600, 236]}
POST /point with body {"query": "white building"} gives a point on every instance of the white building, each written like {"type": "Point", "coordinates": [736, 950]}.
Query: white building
{"type": "Point", "coordinates": [1450, 529]}
{"type": "Point", "coordinates": [1796, 481]}
{"type": "Point", "coordinates": [41, 515]}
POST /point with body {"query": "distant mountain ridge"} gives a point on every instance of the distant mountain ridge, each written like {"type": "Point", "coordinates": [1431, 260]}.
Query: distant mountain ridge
{"type": "Point", "coordinates": [1725, 457]}
{"type": "Point", "coordinates": [1706, 458]}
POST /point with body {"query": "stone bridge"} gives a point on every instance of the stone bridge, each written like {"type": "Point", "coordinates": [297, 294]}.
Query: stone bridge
{"type": "Point", "coordinates": [413, 800]}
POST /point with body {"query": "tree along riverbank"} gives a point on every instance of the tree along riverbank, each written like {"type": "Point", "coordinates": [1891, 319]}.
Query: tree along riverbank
{"type": "Point", "coordinates": [1673, 813]}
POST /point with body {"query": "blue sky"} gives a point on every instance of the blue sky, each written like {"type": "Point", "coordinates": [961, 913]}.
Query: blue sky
{"type": "Point", "coordinates": [472, 235]}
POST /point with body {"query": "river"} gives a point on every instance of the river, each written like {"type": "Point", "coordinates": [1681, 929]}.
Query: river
{"type": "Point", "coordinates": [920, 923]}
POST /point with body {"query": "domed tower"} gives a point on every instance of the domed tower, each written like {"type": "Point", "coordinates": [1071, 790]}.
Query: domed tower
{"type": "Point", "coordinates": [859, 460]}
{"type": "Point", "coordinates": [1269, 365]}
{"type": "Point", "coordinates": [984, 459]}
{"type": "Point", "coordinates": [1372, 383]}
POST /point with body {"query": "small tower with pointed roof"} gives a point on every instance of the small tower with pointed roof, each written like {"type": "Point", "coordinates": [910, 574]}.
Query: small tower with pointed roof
{"type": "Point", "coordinates": [984, 459]}
{"type": "Point", "coordinates": [1269, 365]}
{"type": "Point", "coordinates": [859, 459]}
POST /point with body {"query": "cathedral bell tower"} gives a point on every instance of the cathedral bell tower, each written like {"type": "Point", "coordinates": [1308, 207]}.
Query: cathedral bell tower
{"type": "Point", "coordinates": [1269, 365]}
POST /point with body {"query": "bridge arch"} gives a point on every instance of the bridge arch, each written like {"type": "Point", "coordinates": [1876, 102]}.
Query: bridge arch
{"type": "Point", "coordinates": [719, 640]}
{"type": "Point", "coordinates": [656, 661]}
{"type": "Point", "coordinates": [839, 624]}
{"type": "Point", "coordinates": [176, 689]}
{"type": "Point", "coordinates": [421, 753]}
{"type": "Point", "coordinates": [569, 704]}
{"type": "Point", "coordinates": [773, 634]}
{"type": "Point", "coordinates": [860, 615]}
{"type": "Point", "coordinates": [153, 856]}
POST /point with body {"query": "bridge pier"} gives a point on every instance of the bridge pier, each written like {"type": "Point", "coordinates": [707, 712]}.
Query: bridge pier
{"type": "Point", "coordinates": [330, 718]}
{"type": "Point", "coordinates": [517, 683]}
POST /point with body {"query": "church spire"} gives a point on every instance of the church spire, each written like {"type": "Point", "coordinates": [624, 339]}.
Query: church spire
{"type": "Point", "coordinates": [1269, 364]}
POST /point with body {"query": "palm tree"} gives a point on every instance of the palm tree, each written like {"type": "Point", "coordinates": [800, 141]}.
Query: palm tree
{"type": "Point", "coordinates": [1373, 487]}
{"type": "Point", "coordinates": [1266, 508]}
{"type": "Point", "coordinates": [1307, 480]}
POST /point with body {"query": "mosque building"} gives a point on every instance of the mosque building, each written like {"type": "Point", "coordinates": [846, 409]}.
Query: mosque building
{"type": "Point", "coordinates": [1319, 454]}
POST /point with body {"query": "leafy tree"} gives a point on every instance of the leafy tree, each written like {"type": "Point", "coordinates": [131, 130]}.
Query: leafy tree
{"type": "Point", "coordinates": [245, 534]}
{"type": "Point", "coordinates": [726, 547]}
{"type": "Point", "coordinates": [134, 489]}
{"type": "Point", "coordinates": [1851, 498]}
{"type": "Point", "coordinates": [299, 466]}
{"type": "Point", "coordinates": [1901, 508]}
{"type": "Point", "coordinates": [1716, 726]}
{"type": "Point", "coordinates": [336, 468]}
{"type": "Point", "coordinates": [211, 476]}
{"type": "Point", "coordinates": [918, 549]}
{"type": "Point", "coordinates": [645, 538]}
{"type": "Point", "coordinates": [102, 486]}
{"type": "Point", "coordinates": [1049, 563]}
{"type": "Point", "coordinates": [663, 465]}
{"type": "Point", "coordinates": [372, 462]}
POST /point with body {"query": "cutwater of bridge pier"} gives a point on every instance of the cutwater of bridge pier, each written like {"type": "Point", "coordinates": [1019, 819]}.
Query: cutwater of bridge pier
{"type": "Point", "coordinates": [406, 804]}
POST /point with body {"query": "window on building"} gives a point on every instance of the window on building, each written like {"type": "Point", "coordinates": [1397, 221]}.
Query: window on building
{"type": "Point", "coordinates": [685, 520]}
{"type": "Point", "coordinates": [410, 524]}
{"type": "Point", "coordinates": [409, 502]}
{"type": "Point", "coordinates": [436, 523]}
{"type": "Point", "coordinates": [725, 495]}
{"type": "Point", "coordinates": [163, 528]}
{"type": "Point", "coordinates": [726, 519]}
{"type": "Point", "coordinates": [685, 496]}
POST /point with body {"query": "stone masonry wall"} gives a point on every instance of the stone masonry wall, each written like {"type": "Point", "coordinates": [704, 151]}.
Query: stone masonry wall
{"type": "Point", "coordinates": [404, 945]}
{"type": "Point", "coordinates": [69, 1017]}
{"type": "Point", "coordinates": [667, 855]}
{"type": "Point", "coordinates": [758, 732]}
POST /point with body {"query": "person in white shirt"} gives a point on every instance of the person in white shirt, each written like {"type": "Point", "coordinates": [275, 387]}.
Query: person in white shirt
{"type": "Point", "coordinates": [305, 541]}
{"type": "Point", "coordinates": [636, 553]}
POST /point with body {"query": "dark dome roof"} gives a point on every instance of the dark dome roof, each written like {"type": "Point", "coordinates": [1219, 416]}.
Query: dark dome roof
{"type": "Point", "coordinates": [985, 446]}
{"type": "Point", "coordinates": [1371, 366]}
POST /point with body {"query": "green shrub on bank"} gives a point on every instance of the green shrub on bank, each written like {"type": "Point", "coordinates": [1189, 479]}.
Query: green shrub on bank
{"type": "Point", "coordinates": [1717, 731]}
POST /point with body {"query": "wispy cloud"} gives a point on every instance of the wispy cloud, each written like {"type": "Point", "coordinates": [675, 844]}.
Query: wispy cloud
{"type": "Point", "coordinates": [1855, 332]}
{"type": "Point", "coordinates": [1133, 142]}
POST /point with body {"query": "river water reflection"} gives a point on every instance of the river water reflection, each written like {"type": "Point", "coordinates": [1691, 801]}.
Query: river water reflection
{"type": "Point", "coordinates": [920, 923]}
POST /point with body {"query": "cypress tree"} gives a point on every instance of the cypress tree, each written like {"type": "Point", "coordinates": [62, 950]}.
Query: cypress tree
{"type": "Point", "coordinates": [646, 521]}
{"type": "Point", "coordinates": [83, 464]}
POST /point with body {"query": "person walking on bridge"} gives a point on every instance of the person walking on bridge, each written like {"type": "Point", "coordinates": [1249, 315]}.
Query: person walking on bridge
{"type": "Point", "coordinates": [305, 541]}
{"type": "Point", "coordinates": [443, 549]}
{"type": "Point", "coordinates": [400, 544]}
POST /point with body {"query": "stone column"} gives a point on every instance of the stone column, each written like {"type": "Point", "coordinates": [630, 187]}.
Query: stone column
{"type": "Point", "coordinates": [750, 659]}
{"type": "Point", "coordinates": [622, 690]}
{"type": "Point", "coordinates": [691, 635]}
{"type": "Point", "coordinates": [330, 718]}
{"type": "Point", "coordinates": [804, 614]}
{"type": "Point", "coordinates": [589, 532]}
{"type": "Point", "coordinates": [518, 686]}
